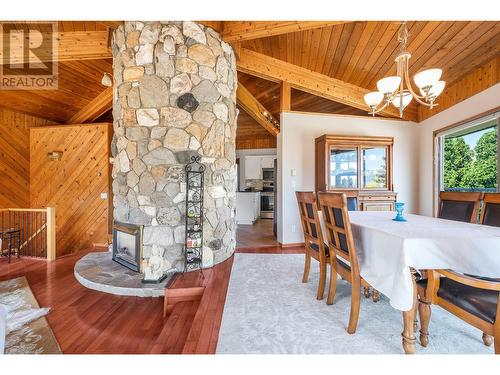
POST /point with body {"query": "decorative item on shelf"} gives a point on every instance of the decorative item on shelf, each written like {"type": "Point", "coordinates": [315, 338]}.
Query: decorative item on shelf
{"type": "Point", "coordinates": [55, 155]}
{"type": "Point", "coordinates": [400, 206]}
{"type": "Point", "coordinates": [391, 90]}
{"type": "Point", "coordinates": [193, 249]}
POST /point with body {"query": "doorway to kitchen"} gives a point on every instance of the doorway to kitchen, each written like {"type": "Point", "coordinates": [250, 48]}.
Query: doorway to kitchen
{"type": "Point", "coordinates": [255, 198]}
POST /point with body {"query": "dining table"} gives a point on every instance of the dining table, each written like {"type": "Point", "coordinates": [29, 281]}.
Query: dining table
{"type": "Point", "coordinates": [390, 251]}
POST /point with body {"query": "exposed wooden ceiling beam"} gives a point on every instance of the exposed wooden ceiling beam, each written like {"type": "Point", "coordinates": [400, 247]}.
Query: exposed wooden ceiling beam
{"type": "Point", "coordinates": [318, 84]}
{"type": "Point", "coordinates": [247, 30]}
{"type": "Point", "coordinates": [111, 24]}
{"type": "Point", "coordinates": [254, 108]}
{"type": "Point", "coordinates": [216, 25]}
{"type": "Point", "coordinates": [94, 109]}
{"type": "Point", "coordinates": [75, 45]}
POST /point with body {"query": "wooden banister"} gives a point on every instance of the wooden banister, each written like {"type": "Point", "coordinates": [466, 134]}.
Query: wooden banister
{"type": "Point", "coordinates": [51, 233]}
{"type": "Point", "coordinates": [38, 230]}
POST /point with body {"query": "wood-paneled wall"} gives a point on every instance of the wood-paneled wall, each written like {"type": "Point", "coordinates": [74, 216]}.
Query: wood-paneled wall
{"type": "Point", "coordinates": [476, 81]}
{"type": "Point", "coordinates": [14, 157]}
{"type": "Point", "coordinates": [245, 143]}
{"type": "Point", "coordinates": [74, 183]}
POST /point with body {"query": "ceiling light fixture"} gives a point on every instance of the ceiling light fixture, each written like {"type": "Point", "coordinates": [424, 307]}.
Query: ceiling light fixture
{"type": "Point", "coordinates": [270, 118]}
{"type": "Point", "coordinates": [398, 89]}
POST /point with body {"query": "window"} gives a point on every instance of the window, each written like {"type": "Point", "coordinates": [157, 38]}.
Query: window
{"type": "Point", "coordinates": [468, 156]}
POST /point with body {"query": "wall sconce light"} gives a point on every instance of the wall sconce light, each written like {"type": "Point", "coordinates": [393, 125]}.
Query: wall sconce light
{"type": "Point", "coordinates": [55, 155]}
{"type": "Point", "coordinates": [107, 80]}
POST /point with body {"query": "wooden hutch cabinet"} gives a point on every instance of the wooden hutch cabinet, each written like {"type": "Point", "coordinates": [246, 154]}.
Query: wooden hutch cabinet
{"type": "Point", "coordinates": [358, 166]}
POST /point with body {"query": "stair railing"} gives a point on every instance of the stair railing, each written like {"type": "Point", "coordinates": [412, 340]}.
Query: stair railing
{"type": "Point", "coordinates": [37, 226]}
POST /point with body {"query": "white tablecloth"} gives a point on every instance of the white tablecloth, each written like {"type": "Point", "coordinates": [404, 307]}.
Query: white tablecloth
{"type": "Point", "coordinates": [387, 249]}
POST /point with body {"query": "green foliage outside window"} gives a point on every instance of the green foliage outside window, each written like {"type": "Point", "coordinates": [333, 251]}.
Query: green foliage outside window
{"type": "Point", "coordinates": [471, 168]}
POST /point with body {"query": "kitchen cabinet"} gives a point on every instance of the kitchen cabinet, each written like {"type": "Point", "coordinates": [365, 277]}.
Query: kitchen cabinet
{"type": "Point", "coordinates": [247, 207]}
{"type": "Point", "coordinates": [254, 165]}
{"type": "Point", "coordinates": [253, 169]}
{"type": "Point", "coordinates": [267, 162]}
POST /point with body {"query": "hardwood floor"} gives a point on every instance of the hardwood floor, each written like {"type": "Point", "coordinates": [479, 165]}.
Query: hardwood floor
{"type": "Point", "coordinates": [87, 321]}
{"type": "Point", "coordinates": [257, 235]}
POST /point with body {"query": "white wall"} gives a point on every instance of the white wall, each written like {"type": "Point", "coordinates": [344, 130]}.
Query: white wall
{"type": "Point", "coordinates": [475, 105]}
{"type": "Point", "coordinates": [242, 153]}
{"type": "Point", "coordinates": [296, 151]}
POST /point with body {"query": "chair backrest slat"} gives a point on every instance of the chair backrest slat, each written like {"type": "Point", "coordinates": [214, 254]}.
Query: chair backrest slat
{"type": "Point", "coordinates": [459, 206]}
{"type": "Point", "coordinates": [308, 210]}
{"type": "Point", "coordinates": [338, 227]}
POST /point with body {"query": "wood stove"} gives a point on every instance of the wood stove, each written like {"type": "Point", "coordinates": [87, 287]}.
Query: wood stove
{"type": "Point", "coordinates": [127, 245]}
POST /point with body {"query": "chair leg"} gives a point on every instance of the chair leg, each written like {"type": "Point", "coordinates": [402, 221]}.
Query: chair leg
{"type": "Point", "coordinates": [496, 334]}
{"type": "Point", "coordinates": [322, 281]}
{"type": "Point", "coordinates": [366, 291]}
{"type": "Point", "coordinates": [375, 295]}
{"type": "Point", "coordinates": [487, 339]}
{"type": "Point", "coordinates": [424, 311]}
{"type": "Point", "coordinates": [307, 267]}
{"type": "Point", "coordinates": [332, 287]}
{"type": "Point", "coordinates": [355, 302]}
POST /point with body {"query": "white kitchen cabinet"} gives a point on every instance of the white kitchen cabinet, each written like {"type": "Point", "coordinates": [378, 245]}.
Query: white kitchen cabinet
{"type": "Point", "coordinates": [267, 162]}
{"type": "Point", "coordinates": [254, 165]}
{"type": "Point", "coordinates": [253, 168]}
{"type": "Point", "coordinates": [247, 207]}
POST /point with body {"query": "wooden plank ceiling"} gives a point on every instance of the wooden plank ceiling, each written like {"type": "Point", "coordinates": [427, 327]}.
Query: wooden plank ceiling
{"type": "Point", "coordinates": [358, 53]}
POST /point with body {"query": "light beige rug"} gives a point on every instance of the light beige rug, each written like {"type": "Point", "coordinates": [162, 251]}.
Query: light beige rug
{"type": "Point", "coordinates": [35, 337]}
{"type": "Point", "coordinates": [268, 310]}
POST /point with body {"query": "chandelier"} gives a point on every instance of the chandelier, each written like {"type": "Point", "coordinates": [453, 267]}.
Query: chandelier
{"type": "Point", "coordinates": [391, 90]}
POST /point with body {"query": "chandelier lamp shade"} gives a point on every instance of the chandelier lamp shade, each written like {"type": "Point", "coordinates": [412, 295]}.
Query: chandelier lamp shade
{"type": "Point", "coordinates": [398, 90]}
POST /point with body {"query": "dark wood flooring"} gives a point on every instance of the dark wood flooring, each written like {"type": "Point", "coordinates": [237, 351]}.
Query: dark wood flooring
{"type": "Point", "coordinates": [87, 321]}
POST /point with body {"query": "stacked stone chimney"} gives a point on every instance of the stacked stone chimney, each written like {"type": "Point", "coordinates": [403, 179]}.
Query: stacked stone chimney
{"type": "Point", "coordinates": [174, 97]}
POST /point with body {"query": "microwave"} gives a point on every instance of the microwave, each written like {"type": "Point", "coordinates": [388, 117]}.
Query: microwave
{"type": "Point", "coordinates": [268, 174]}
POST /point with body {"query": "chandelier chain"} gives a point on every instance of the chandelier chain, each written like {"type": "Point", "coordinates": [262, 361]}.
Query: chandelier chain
{"type": "Point", "coordinates": [403, 37]}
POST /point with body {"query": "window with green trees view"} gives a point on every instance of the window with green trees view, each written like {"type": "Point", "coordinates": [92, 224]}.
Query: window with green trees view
{"type": "Point", "coordinates": [469, 159]}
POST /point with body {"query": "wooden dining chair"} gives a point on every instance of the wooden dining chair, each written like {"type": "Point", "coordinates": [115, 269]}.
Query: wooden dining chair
{"type": "Point", "coordinates": [313, 238]}
{"type": "Point", "coordinates": [343, 259]}
{"type": "Point", "coordinates": [474, 299]}
{"type": "Point", "coordinates": [352, 199]}
{"type": "Point", "coordinates": [459, 206]}
{"type": "Point", "coordinates": [490, 213]}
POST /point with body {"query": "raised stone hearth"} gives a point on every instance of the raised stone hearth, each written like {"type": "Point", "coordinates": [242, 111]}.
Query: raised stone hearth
{"type": "Point", "coordinates": [99, 272]}
{"type": "Point", "coordinates": [174, 97]}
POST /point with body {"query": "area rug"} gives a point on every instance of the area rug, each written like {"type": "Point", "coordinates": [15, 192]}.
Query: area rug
{"type": "Point", "coordinates": [34, 337]}
{"type": "Point", "coordinates": [268, 310]}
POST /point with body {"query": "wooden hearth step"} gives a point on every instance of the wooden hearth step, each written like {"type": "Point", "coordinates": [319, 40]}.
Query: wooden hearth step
{"type": "Point", "coordinates": [176, 295]}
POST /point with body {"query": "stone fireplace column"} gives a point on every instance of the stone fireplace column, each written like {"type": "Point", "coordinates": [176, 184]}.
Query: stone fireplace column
{"type": "Point", "coordinates": [174, 97]}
